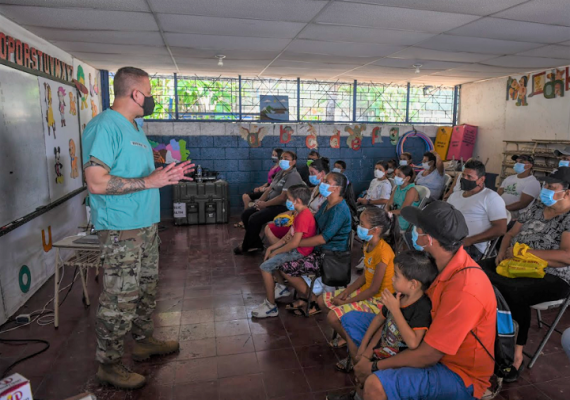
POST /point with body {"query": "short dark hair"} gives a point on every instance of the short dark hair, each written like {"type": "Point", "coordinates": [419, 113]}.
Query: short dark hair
{"type": "Point", "coordinates": [278, 151]}
{"type": "Point", "coordinates": [341, 163]}
{"type": "Point", "coordinates": [384, 164]}
{"type": "Point", "coordinates": [477, 166]}
{"type": "Point", "coordinates": [407, 170]}
{"type": "Point", "coordinates": [291, 153]}
{"type": "Point", "coordinates": [322, 164]}
{"type": "Point", "coordinates": [125, 80]}
{"type": "Point", "coordinates": [301, 192]}
{"type": "Point", "coordinates": [339, 180]}
{"type": "Point", "coordinates": [451, 247]}
{"type": "Point", "coordinates": [314, 153]}
{"type": "Point", "coordinates": [417, 265]}
{"type": "Point", "coordinates": [430, 156]}
{"type": "Point", "coordinates": [407, 155]}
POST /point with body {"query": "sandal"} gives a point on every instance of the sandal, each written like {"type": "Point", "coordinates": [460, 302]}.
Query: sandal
{"type": "Point", "coordinates": [239, 225]}
{"type": "Point", "coordinates": [314, 309]}
{"type": "Point", "coordinates": [334, 343]}
{"type": "Point", "coordinates": [293, 307]}
{"type": "Point", "coordinates": [345, 365]}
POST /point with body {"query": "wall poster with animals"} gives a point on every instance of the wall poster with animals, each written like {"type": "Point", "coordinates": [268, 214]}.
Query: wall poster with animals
{"type": "Point", "coordinates": [61, 136]}
{"type": "Point", "coordinates": [89, 96]}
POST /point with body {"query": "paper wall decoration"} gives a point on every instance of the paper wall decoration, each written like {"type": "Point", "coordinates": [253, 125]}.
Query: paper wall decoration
{"type": "Point", "coordinates": [394, 135]}
{"type": "Point", "coordinates": [273, 108]}
{"type": "Point", "coordinates": [72, 104]}
{"type": "Point", "coordinates": [61, 97]}
{"type": "Point", "coordinates": [538, 81]}
{"type": "Point", "coordinates": [335, 140]}
{"type": "Point", "coordinates": [376, 133]}
{"type": "Point", "coordinates": [48, 99]}
{"type": "Point", "coordinates": [47, 246]}
{"type": "Point", "coordinates": [58, 165]}
{"type": "Point", "coordinates": [253, 135]}
{"type": "Point", "coordinates": [551, 84]}
{"type": "Point", "coordinates": [517, 90]}
{"type": "Point", "coordinates": [555, 86]}
{"type": "Point", "coordinates": [311, 140]}
{"type": "Point", "coordinates": [73, 158]}
{"type": "Point", "coordinates": [354, 140]}
{"type": "Point", "coordinates": [285, 134]}
{"type": "Point", "coordinates": [25, 279]}
{"type": "Point", "coordinates": [175, 151]}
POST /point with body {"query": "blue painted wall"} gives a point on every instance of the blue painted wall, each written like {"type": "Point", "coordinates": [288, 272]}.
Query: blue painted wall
{"type": "Point", "coordinates": [244, 167]}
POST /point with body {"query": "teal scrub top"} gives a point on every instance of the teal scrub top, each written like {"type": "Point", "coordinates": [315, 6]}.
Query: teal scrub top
{"type": "Point", "coordinates": [125, 150]}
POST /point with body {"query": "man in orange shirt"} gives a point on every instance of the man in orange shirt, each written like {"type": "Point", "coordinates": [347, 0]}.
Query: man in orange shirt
{"type": "Point", "coordinates": [450, 364]}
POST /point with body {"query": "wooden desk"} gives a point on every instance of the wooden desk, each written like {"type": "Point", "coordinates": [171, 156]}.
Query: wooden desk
{"type": "Point", "coordinates": [85, 256]}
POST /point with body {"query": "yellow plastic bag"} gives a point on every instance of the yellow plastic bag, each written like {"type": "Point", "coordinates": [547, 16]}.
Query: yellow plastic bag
{"type": "Point", "coordinates": [523, 264]}
{"type": "Point", "coordinates": [283, 220]}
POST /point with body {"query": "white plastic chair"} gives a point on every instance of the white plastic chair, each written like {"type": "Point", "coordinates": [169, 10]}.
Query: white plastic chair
{"type": "Point", "coordinates": [447, 180]}
{"type": "Point", "coordinates": [424, 194]}
{"type": "Point", "coordinates": [392, 182]}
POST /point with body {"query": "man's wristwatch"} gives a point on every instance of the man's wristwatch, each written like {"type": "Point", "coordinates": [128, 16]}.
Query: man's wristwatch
{"type": "Point", "coordinates": [375, 366]}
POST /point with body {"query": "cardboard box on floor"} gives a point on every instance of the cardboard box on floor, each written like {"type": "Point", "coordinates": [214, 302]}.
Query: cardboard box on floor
{"type": "Point", "coordinates": [15, 387]}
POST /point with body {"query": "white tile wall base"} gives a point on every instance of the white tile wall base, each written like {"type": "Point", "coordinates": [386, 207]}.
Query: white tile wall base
{"type": "Point", "coordinates": [301, 129]}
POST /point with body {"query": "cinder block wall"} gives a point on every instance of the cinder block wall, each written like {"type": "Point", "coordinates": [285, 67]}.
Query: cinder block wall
{"type": "Point", "coordinates": [219, 147]}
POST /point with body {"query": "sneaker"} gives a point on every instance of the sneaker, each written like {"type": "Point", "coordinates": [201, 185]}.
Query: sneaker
{"type": "Point", "coordinates": [281, 291]}
{"type": "Point", "coordinates": [346, 396]}
{"type": "Point", "coordinates": [265, 310]}
{"type": "Point", "coordinates": [360, 265]}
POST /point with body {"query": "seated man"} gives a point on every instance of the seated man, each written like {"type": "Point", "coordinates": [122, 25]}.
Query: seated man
{"type": "Point", "coordinates": [484, 210]}
{"type": "Point", "coordinates": [519, 190]}
{"type": "Point", "coordinates": [452, 362]}
{"type": "Point", "coordinates": [564, 154]}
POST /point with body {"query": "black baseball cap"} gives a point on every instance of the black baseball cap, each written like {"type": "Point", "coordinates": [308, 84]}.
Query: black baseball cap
{"type": "Point", "coordinates": [440, 220]}
{"type": "Point", "coordinates": [562, 151]}
{"type": "Point", "coordinates": [561, 175]}
{"type": "Point", "coordinates": [524, 157]}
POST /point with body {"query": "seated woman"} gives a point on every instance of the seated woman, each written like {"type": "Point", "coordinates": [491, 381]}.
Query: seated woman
{"type": "Point", "coordinates": [333, 231]}
{"type": "Point", "coordinates": [380, 190]}
{"type": "Point", "coordinates": [433, 174]}
{"type": "Point", "coordinates": [545, 228]}
{"type": "Point", "coordinates": [256, 193]}
{"type": "Point", "coordinates": [270, 204]}
{"type": "Point", "coordinates": [317, 173]}
{"type": "Point", "coordinates": [404, 194]}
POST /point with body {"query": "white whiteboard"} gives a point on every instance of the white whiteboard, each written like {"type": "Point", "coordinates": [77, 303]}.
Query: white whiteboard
{"type": "Point", "coordinates": [23, 174]}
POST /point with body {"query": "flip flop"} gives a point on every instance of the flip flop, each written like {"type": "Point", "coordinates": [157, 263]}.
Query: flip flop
{"type": "Point", "coordinates": [239, 225]}
{"type": "Point", "coordinates": [345, 365]}
{"type": "Point", "coordinates": [291, 307]}
{"type": "Point", "coordinates": [314, 309]}
{"type": "Point", "coordinates": [334, 343]}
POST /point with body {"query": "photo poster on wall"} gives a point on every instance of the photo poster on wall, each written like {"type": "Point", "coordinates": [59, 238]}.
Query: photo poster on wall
{"type": "Point", "coordinates": [88, 99]}
{"type": "Point", "coordinates": [61, 136]}
{"type": "Point", "coordinates": [273, 108]}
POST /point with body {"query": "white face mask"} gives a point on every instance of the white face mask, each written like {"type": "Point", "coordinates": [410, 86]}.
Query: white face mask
{"type": "Point", "coordinates": [390, 170]}
{"type": "Point", "coordinates": [425, 165]}
{"type": "Point", "coordinates": [403, 162]}
{"type": "Point", "coordinates": [379, 174]}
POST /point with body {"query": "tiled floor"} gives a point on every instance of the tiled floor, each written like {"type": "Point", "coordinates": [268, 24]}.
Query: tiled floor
{"type": "Point", "coordinates": [205, 298]}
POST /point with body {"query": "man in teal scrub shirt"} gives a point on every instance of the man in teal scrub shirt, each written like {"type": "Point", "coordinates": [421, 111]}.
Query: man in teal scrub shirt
{"type": "Point", "coordinates": [125, 203]}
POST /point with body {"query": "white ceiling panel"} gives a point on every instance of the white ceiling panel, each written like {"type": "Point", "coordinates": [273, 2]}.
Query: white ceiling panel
{"type": "Point", "coordinates": [527, 62]}
{"type": "Point", "coordinates": [322, 58]}
{"type": "Point", "coordinates": [343, 49]}
{"type": "Point", "coordinates": [336, 33]}
{"type": "Point", "coordinates": [415, 53]}
{"type": "Point", "coordinates": [366, 15]}
{"type": "Point", "coordinates": [469, 74]}
{"type": "Point", "coordinates": [101, 48]}
{"type": "Point", "coordinates": [426, 64]}
{"type": "Point", "coordinates": [91, 36]}
{"type": "Point", "coordinates": [271, 10]}
{"type": "Point", "coordinates": [488, 68]}
{"type": "Point", "coordinates": [442, 80]}
{"type": "Point", "coordinates": [75, 18]}
{"type": "Point", "coordinates": [498, 28]}
{"type": "Point", "coordinates": [376, 70]}
{"type": "Point", "coordinates": [221, 43]}
{"type": "Point", "coordinates": [188, 53]}
{"type": "Point", "coordinates": [476, 45]}
{"type": "Point", "coordinates": [552, 51]}
{"type": "Point", "coordinates": [474, 7]}
{"type": "Point", "coordinates": [228, 26]}
{"type": "Point", "coordinates": [313, 65]}
{"type": "Point", "coordinates": [554, 12]}
{"type": "Point", "coordinates": [118, 5]}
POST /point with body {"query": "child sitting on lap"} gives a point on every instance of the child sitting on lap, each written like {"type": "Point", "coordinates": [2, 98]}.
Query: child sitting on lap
{"type": "Point", "coordinates": [286, 249]}
{"type": "Point", "coordinates": [363, 294]}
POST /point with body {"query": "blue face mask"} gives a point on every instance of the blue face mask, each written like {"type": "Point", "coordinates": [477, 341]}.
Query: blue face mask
{"type": "Point", "coordinates": [563, 163]}
{"type": "Point", "coordinates": [547, 197]}
{"type": "Point", "coordinates": [363, 233]}
{"type": "Point", "coordinates": [398, 181]}
{"type": "Point", "coordinates": [519, 168]}
{"type": "Point", "coordinates": [324, 189]}
{"type": "Point", "coordinates": [314, 180]}
{"type": "Point", "coordinates": [290, 206]}
{"type": "Point", "coordinates": [337, 170]}
{"type": "Point", "coordinates": [415, 237]}
{"type": "Point", "coordinates": [284, 164]}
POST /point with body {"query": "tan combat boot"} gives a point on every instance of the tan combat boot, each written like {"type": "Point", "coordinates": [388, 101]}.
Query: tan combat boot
{"type": "Point", "coordinates": [119, 376]}
{"type": "Point", "coordinates": [146, 348]}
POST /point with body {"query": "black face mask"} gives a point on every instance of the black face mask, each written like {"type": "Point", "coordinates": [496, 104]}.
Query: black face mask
{"type": "Point", "coordinates": [467, 185]}
{"type": "Point", "coordinates": [148, 105]}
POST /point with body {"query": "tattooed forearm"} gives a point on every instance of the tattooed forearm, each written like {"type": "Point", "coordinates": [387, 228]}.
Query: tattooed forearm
{"type": "Point", "coordinates": [118, 185]}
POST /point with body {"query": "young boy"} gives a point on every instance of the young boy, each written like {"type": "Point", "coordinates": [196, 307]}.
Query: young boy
{"type": "Point", "coordinates": [406, 159]}
{"type": "Point", "coordinates": [339, 166]}
{"type": "Point", "coordinates": [404, 319]}
{"type": "Point", "coordinates": [287, 249]}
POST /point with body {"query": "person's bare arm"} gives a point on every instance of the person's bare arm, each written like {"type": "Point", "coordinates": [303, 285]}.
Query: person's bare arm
{"type": "Point", "coordinates": [524, 201]}
{"type": "Point", "coordinates": [498, 228]}
{"type": "Point", "coordinates": [100, 181]}
{"type": "Point", "coordinates": [314, 241]}
{"type": "Point", "coordinates": [438, 163]}
{"type": "Point", "coordinates": [506, 243]}
{"type": "Point", "coordinates": [500, 191]}
{"type": "Point", "coordinates": [556, 258]}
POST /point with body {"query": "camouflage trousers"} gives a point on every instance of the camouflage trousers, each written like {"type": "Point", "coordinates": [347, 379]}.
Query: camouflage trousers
{"type": "Point", "coordinates": [130, 278]}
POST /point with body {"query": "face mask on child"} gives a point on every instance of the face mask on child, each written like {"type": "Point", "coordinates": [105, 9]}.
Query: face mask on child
{"type": "Point", "coordinates": [337, 170]}
{"type": "Point", "coordinates": [398, 181]}
{"type": "Point", "coordinates": [290, 206]}
{"type": "Point", "coordinates": [379, 174]}
{"type": "Point", "coordinates": [390, 170]}
{"type": "Point", "coordinates": [363, 233]}
{"type": "Point", "coordinates": [403, 162]}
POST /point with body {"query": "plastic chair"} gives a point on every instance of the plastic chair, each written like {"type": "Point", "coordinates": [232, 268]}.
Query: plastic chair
{"type": "Point", "coordinates": [563, 305]}
{"type": "Point", "coordinates": [392, 182]}
{"type": "Point", "coordinates": [424, 194]}
{"type": "Point", "coordinates": [446, 183]}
